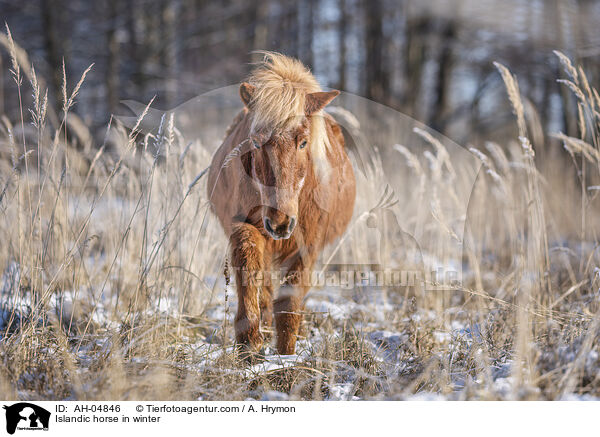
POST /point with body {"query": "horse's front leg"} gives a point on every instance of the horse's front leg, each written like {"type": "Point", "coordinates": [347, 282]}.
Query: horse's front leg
{"type": "Point", "coordinates": [289, 305]}
{"type": "Point", "coordinates": [247, 250]}
{"type": "Point", "coordinates": [266, 310]}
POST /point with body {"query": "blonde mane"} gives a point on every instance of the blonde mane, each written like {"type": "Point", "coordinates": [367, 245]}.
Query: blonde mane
{"type": "Point", "coordinates": [281, 85]}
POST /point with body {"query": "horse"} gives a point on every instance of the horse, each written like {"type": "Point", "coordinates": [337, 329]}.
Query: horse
{"type": "Point", "coordinates": [282, 187]}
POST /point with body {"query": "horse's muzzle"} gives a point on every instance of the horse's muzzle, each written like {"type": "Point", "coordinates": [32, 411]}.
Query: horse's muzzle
{"type": "Point", "coordinates": [281, 230]}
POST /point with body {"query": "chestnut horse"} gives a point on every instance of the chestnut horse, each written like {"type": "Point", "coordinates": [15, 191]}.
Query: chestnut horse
{"type": "Point", "coordinates": [282, 187]}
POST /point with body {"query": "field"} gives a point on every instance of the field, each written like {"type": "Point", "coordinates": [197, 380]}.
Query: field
{"type": "Point", "coordinates": [115, 282]}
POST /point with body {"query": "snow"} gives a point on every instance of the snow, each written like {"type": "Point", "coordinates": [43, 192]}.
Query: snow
{"type": "Point", "coordinates": [342, 392]}
{"type": "Point", "coordinates": [385, 336]}
{"type": "Point", "coordinates": [274, 395]}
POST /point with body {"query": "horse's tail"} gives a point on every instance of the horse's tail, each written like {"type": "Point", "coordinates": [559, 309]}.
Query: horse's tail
{"type": "Point", "coordinates": [355, 142]}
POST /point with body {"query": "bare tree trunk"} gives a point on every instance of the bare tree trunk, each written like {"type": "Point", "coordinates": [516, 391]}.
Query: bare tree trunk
{"type": "Point", "coordinates": [342, 31]}
{"type": "Point", "coordinates": [377, 80]}
{"type": "Point", "coordinates": [414, 55]}
{"type": "Point", "coordinates": [445, 63]}
{"type": "Point", "coordinates": [261, 27]}
{"type": "Point", "coordinates": [292, 30]}
{"type": "Point", "coordinates": [52, 45]}
{"type": "Point", "coordinates": [309, 53]}
{"type": "Point", "coordinates": [170, 15]}
{"type": "Point", "coordinates": [134, 51]}
{"type": "Point", "coordinates": [112, 65]}
{"type": "Point", "coordinates": [564, 29]}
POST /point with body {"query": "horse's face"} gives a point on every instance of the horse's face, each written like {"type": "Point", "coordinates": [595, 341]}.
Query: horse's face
{"type": "Point", "coordinates": [280, 160]}
{"type": "Point", "coordinates": [279, 166]}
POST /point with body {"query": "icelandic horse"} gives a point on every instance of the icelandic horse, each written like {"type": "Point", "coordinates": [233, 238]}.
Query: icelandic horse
{"type": "Point", "coordinates": [283, 188]}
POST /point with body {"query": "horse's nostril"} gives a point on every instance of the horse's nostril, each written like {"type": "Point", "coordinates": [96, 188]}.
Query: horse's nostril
{"type": "Point", "coordinates": [291, 224]}
{"type": "Point", "coordinates": [268, 225]}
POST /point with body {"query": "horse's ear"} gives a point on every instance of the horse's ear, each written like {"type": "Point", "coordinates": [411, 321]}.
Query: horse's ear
{"type": "Point", "coordinates": [317, 101]}
{"type": "Point", "coordinates": [247, 93]}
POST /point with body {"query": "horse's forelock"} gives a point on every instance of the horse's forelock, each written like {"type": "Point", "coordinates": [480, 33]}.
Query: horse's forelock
{"type": "Point", "coordinates": [318, 140]}
{"type": "Point", "coordinates": [280, 88]}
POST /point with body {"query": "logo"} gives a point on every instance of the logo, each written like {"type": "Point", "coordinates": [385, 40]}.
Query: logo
{"type": "Point", "coordinates": [26, 416]}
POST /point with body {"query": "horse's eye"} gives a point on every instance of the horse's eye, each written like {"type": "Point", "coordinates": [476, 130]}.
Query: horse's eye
{"type": "Point", "coordinates": [303, 144]}
{"type": "Point", "coordinates": [256, 143]}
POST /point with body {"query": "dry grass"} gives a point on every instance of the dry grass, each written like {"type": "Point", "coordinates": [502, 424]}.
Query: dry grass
{"type": "Point", "coordinates": [112, 284]}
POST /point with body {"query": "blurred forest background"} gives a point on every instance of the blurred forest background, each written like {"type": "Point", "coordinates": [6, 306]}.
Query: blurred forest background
{"type": "Point", "coordinates": [430, 59]}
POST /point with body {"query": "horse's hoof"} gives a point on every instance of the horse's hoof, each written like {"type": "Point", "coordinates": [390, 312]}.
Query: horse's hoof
{"type": "Point", "coordinates": [250, 355]}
